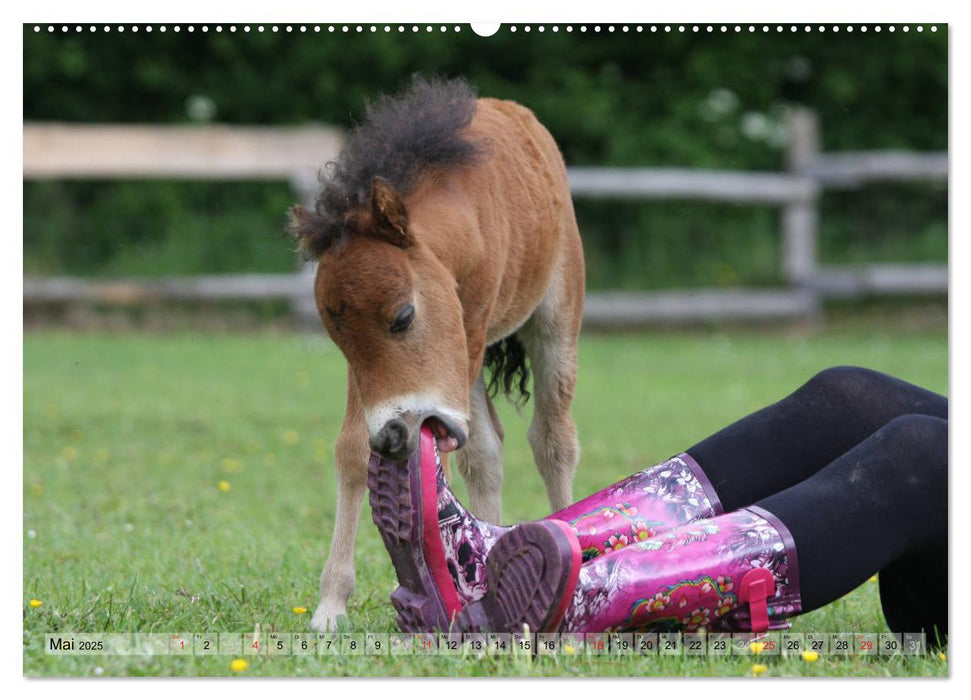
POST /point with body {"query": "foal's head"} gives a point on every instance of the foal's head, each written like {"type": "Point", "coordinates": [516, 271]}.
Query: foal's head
{"type": "Point", "coordinates": [392, 309]}
{"type": "Point", "coordinates": [386, 300]}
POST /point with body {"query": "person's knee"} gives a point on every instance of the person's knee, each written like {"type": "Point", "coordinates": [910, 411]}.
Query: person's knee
{"type": "Point", "coordinates": [845, 379]}
{"type": "Point", "coordinates": [917, 447]}
{"type": "Point", "coordinates": [926, 435]}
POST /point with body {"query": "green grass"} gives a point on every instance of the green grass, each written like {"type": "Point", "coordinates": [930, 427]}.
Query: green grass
{"type": "Point", "coordinates": [126, 438]}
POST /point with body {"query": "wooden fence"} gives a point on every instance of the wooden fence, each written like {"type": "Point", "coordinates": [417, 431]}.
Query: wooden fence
{"type": "Point", "coordinates": [69, 151]}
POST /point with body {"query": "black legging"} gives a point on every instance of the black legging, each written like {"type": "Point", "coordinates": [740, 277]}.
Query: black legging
{"type": "Point", "coordinates": [855, 464]}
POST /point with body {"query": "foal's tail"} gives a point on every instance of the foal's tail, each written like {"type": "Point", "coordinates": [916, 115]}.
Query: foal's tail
{"type": "Point", "coordinates": [508, 370]}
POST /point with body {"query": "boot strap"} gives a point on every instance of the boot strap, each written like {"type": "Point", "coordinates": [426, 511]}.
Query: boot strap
{"type": "Point", "coordinates": [756, 588]}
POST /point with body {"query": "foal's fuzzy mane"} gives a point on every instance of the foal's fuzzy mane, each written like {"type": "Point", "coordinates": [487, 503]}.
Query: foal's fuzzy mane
{"type": "Point", "coordinates": [402, 138]}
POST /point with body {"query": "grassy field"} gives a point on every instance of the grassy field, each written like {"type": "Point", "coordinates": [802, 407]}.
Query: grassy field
{"type": "Point", "coordinates": [183, 483]}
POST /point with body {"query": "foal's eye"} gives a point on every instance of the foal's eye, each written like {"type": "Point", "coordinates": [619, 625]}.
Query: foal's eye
{"type": "Point", "coordinates": [403, 319]}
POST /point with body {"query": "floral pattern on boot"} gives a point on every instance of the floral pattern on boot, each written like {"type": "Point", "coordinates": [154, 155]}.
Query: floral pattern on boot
{"type": "Point", "coordinates": [686, 579]}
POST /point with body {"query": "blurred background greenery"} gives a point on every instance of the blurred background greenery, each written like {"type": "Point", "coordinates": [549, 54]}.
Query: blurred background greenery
{"type": "Point", "coordinates": [690, 100]}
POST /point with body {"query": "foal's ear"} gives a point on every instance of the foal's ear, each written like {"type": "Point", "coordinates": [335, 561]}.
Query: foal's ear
{"type": "Point", "coordinates": [309, 231]}
{"type": "Point", "coordinates": [390, 217]}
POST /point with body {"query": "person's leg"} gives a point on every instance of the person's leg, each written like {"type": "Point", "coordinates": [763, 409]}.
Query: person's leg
{"type": "Point", "coordinates": [789, 441]}
{"type": "Point", "coordinates": [882, 505]}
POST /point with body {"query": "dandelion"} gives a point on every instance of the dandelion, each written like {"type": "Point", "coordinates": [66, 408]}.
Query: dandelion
{"type": "Point", "coordinates": [69, 453]}
{"type": "Point", "coordinates": [759, 669]}
{"type": "Point", "coordinates": [810, 656]}
{"type": "Point", "coordinates": [756, 647]}
{"type": "Point", "coordinates": [224, 486]}
{"type": "Point", "coordinates": [36, 488]}
{"type": "Point", "coordinates": [942, 656]}
{"type": "Point", "coordinates": [34, 603]}
{"type": "Point", "coordinates": [297, 610]}
{"type": "Point", "coordinates": [567, 649]}
{"type": "Point", "coordinates": [231, 465]}
{"type": "Point", "coordinates": [291, 437]}
{"type": "Point", "coordinates": [873, 579]}
{"type": "Point", "coordinates": [238, 665]}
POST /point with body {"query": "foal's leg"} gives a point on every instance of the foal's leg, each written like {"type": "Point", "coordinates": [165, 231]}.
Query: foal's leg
{"type": "Point", "coordinates": [480, 461]}
{"type": "Point", "coordinates": [351, 452]}
{"type": "Point", "coordinates": [550, 339]}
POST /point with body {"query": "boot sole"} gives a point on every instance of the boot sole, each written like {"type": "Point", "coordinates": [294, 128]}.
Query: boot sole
{"type": "Point", "coordinates": [403, 512]}
{"type": "Point", "coordinates": [531, 574]}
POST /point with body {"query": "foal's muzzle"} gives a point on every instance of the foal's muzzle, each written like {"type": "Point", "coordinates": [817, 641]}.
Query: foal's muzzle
{"type": "Point", "coordinates": [398, 438]}
{"type": "Point", "coordinates": [394, 441]}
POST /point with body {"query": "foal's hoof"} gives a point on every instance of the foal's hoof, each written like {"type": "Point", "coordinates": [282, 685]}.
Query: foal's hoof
{"type": "Point", "coordinates": [327, 618]}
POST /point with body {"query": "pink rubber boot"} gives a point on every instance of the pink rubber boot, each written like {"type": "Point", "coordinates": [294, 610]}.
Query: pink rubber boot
{"type": "Point", "coordinates": [736, 572]}
{"type": "Point", "coordinates": [439, 549]}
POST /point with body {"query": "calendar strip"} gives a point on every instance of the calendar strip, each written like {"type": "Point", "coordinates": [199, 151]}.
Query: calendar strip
{"type": "Point", "coordinates": [570, 644]}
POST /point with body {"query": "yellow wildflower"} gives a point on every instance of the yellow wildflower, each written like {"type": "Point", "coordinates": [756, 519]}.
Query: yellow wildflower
{"type": "Point", "coordinates": [297, 610]}
{"type": "Point", "coordinates": [873, 579]}
{"type": "Point", "coordinates": [567, 649]}
{"type": "Point", "coordinates": [232, 465]}
{"type": "Point", "coordinates": [69, 453]}
{"type": "Point", "coordinates": [34, 603]}
{"type": "Point", "coordinates": [756, 647]}
{"type": "Point", "coordinates": [942, 656]}
{"type": "Point", "coordinates": [225, 486]}
{"type": "Point", "coordinates": [291, 437]}
{"type": "Point", "coordinates": [238, 665]}
{"type": "Point", "coordinates": [810, 656]}
{"type": "Point", "coordinates": [759, 669]}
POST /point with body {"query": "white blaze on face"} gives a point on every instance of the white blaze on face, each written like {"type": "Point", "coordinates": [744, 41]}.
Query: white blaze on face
{"type": "Point", "coordinates": [410, 406]}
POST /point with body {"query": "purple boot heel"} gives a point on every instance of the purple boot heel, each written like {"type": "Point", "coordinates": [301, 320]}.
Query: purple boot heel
{"type": "Point", "coordinates": [531, 573]}
{"type": "Point", "coordinates": [403, 506]}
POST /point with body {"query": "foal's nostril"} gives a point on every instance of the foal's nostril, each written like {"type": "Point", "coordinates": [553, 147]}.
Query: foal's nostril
{"type": "Point", "coordinates": [392, 439]}
{"type": "Point", "coordinates": [397, 435]}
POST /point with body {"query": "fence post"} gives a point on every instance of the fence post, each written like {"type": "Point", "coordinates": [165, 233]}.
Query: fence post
{"type": "Point", "coordinates": [799, 217]}
{"type": "Point", "coordinates": [304, 306]}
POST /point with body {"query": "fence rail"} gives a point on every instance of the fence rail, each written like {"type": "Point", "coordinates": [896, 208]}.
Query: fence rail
{"type": "Point", "coordinates": [217, 152]}
{"type": "Point", "coordinates": [678, 183]}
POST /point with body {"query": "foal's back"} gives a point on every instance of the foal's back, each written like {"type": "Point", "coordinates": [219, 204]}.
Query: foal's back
{"type": "Point", "coordinates": [511, 214]}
